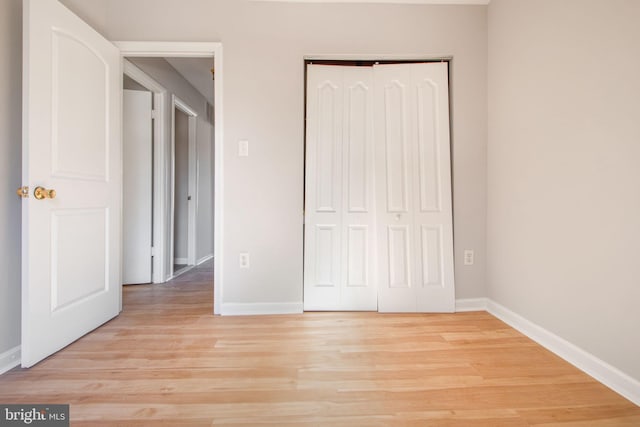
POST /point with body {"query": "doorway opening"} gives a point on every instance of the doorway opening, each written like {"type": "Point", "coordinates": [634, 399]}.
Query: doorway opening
{"type": "Point", "coordinates": [143, 216]}
{"type": "Point", "coordinates": [204, 234]}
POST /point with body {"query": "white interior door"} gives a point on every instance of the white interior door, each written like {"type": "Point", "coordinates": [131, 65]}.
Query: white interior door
{"type": "Point", "coordinates": [137, 189]}
{"type": "Point", "coordinates": [415, 229]}
{"type": "Point", "coordinates": [71, 143]}
{"type": "Point", "coordinates": [340, 249]}
{"type": "Point", "coordinates": [184, 186]}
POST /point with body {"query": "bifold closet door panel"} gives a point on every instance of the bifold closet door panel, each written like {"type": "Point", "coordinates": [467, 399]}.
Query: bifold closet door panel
{"type": "Point", "coordinates": [414, 215]}
{"type": "Point", "coordinates": [340, 248]}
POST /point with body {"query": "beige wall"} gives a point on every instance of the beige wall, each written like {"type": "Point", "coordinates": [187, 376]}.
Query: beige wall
{"type": "Point", "coordinates": [10, 170]}
{"type": "Point", "coordinates": [264, 45]}
{"type": "Point", "coordinates": [564, 170]}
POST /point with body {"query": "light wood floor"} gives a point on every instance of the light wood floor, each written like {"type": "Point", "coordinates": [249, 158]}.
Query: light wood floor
{"type": "Point", "coordinates": [166, 361]}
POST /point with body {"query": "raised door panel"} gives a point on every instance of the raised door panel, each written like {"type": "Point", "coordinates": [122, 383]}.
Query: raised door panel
{"type": "Point", "coordinates": [358, 148]}
{"type": "Point", "coordinates": [79, 140]}
{"type": "Point", "coordinates": [357, 256]}
{"type": "Point", "coordinates": [431, 253]}
{"type": "Point", "coordinates": [428, 146]}
{"type": "Point", "coordinates": [396, 146]}
{"type": "Point", "coordinates": [327, 146]}
{"type": "Point", "coordinates": [399, 259]}
{"type": "Point", "coordinates": [327, 256]}
{"type": "Point", "coordinates": [73, 282]}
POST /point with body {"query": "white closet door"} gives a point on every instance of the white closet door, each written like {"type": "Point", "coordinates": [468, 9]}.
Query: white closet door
{"type": "Point", "coordinates": [415, 230]}
{"type": "Point", "coordinates": [339, 260]}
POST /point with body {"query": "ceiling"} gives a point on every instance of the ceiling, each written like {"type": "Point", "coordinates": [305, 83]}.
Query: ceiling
{"type": "Point", "coordinates": [196, 71]}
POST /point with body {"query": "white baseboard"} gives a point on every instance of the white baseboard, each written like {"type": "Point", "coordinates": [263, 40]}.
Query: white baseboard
{"type": "Point", "coordinates": [608, 375]}
{"type": "Point", "coordinates": [240, 309]}
{"type": "Point", "coordinates": [10, 359]}
{"type": "Point", "coordinates": [180, 261]}
{"type": "Point", "coordinates": [204, 259]}
{"type": "Point", "coordinates": [471, 304]}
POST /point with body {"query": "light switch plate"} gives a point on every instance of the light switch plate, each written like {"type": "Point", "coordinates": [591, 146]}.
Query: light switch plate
{"type": "Point", "coordinates": [243, 148]}
{"type": "Point", "coordinates": [469, 256]}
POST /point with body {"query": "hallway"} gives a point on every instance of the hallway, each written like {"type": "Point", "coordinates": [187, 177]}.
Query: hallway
{"type": "Point", "coordinates": [190, 294]}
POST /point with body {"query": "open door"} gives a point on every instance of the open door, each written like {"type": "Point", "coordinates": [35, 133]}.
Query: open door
{"type": "Point", "coordinates": [71, 144]}
{"type": "Point", "coordinates": [138, 188]}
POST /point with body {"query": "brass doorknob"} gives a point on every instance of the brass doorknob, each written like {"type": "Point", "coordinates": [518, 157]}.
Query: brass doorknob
{"type": "Point", "coordinates": [23, 192]}
{"type": "Point", "coordinates": [42, 193]}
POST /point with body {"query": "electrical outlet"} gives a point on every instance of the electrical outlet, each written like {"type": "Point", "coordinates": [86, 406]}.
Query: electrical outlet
{"type": "Point", "coordinates": [468, 257]}
{"type": "Point", "coordinates": [244, 259]}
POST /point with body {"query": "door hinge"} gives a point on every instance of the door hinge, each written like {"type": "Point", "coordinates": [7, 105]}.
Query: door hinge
{"type": "Point", "coordinates": [154, 114]}
{"type": "Point", "coordinates": [153, 251]}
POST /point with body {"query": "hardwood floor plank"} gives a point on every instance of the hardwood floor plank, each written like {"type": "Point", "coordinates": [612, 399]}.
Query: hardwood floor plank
{"type": "Point", "coordinates": [166, 361]}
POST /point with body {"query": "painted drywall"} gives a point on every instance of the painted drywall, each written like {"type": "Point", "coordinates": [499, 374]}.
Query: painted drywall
{"type": "Point", "coordinates": [264, 45]}
{"type": "Point", "coordinates": [10, 171]}
{"type": "Point", "coordinates": [161, 71]}
{"type": "Point", "coordinates": [196, 71]}
{"type": "Point", "coordinates": [205, 179]}
{"type": "Point", "coordinates": [130, 84]}
{"type": "Point", "coordinates": [563, 174]}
